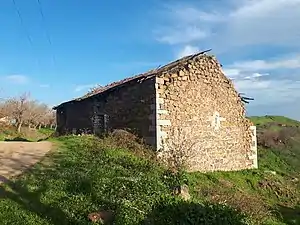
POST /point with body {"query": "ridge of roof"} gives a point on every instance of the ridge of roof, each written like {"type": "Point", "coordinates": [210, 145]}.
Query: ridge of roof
{"type": "Point", "coordinates": [150, 73]}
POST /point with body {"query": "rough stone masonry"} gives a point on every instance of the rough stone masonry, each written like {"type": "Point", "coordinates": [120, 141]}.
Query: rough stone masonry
{"type": "Point", "coordinates": [188, 110]}
{"type": "Point", "coordinates": [201, 118]}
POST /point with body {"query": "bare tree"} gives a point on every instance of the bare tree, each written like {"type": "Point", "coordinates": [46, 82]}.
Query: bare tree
{"type": "Point", "coordinates": [31, 114]}
{"type": "Point", "coordinates": [16, 109]}
{"type": "Point", "coordinates": [51, 118]}
{"type": "Point", "coordinates": [2, 110]}
{"type": "Point", "coordinates": [42, 119]}
{"type": "Point", "coordinates": [25, 111]}
{"type": "Point", "coordinates": [37, 115]}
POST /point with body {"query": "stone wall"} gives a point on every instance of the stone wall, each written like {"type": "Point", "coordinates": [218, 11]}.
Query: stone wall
{"type": "Point", "coordinates": [75, 117]}
{"type": "Point", "coordinates": [201, 120]}
{"type": "Point", "coordinates": [129, 106]}
{"type": "Point", "coordinates": [190, 112]}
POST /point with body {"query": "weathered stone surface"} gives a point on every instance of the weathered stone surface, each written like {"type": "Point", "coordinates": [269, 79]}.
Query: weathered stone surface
{"type": "Point", "coordinates": [210, 142]}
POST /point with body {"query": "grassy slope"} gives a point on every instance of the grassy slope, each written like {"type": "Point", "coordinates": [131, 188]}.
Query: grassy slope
{"type": "Point", "coordinates": [85, 175]}
{"type": "Point", "coordinates": [261, 120]}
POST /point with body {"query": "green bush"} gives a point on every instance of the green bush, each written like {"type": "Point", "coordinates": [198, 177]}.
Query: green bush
{"type": "Point", "coordinates": [175, 179]}
{"type": "Point", "coordinates": [176, 211]}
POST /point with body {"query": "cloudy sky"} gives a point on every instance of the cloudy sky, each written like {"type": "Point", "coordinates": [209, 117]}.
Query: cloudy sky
{"type": "Point", "coordinates": [59, 49]}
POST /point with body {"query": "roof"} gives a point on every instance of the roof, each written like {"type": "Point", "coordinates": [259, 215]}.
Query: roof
{"type": "Point", "coordinates": [146, 75]}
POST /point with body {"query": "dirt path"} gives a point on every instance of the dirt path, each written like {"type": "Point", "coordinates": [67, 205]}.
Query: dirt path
{"type": "Point", "coordinates": [18, 156]}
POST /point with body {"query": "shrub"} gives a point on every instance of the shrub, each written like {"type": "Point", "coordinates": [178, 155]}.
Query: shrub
{"type": "Point", "coordinates": [123, 139]}
{"type": "Point", "coordinates": [268, 139]}
{"type": "Point", "coordinates": [175, 211]}
{"type": "Point", "coordinates": [286, 133]}
{"type": "Point", "coordinates": [275, 138]}
{"type": "Point", "coordinates": [175, 179]}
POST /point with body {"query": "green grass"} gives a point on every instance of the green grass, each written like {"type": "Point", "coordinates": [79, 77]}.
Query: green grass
{"type": "Point", "coordinates": [85, 174]}
{"type": "Point", "coordinates": [46, 131]}
{"type": "Point", "coordinates": [6, 131]}
{"type": "Point", "coordinates": [261, 120]}
{"type": "Point", "coordinates": [9, 133]}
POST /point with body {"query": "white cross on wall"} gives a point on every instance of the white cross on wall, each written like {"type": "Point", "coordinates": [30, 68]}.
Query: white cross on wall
{"type": "Point", "coordinates": [216, 120]}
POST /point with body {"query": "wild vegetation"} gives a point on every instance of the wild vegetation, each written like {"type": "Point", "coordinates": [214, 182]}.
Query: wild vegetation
{"type": "Point", "coordinates": [87, 174]}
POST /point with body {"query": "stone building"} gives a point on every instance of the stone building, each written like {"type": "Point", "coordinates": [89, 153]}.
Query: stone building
{"type": "Point", "coordinates": [187, 109]}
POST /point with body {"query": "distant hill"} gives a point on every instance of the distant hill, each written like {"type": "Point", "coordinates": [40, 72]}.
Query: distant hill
{"type": "Point", "coordinates": [261, 120]}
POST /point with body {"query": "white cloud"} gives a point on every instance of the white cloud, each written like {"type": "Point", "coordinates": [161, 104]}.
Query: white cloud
{"type": "Point", "coordinates": [188, 50]}
{"type": "Point", "coordinates": [231, 72]}
{"type": "Point", "coordinates": [273, 64]}
{"type": "Point", "coordinates": [233, 23]}
{"type": "Point", "coordinates": [255, 76]}
{"type": "Point", "coordinates": [84, 87]}
{"type": "Point", "coordinates": [259, 74]}
{"type": "Point", "coordinates": [17, 79]}
{"type": "Point", "coordinates": [266, 21]}
{"type": "Point", "coordinates": [189, 14]}
{"type": "Point", "coordinates": [260, 79]}
{"type": "Point", "coordinates": [269, 92]}
{"type": "Point", "coordinates": [240, 74]}
{"type": "Point", "coordinates": [182, 35]}
{"type": "Point", "coordinates": [260, 68]}
{"type": "Point", "coordinates": [243, 28]}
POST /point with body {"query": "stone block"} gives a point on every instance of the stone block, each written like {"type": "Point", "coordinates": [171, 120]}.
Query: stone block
{"type": "Point", "coordinates": [163, 122]}
{"type": "Point", "coordinates": [163, 111]}
{"type": "Point", "coordinates": [160, 80]}
{"type": "Point", "coordinates": [160, 100]}
{"type": "Point", "coordinates": [181, 73]}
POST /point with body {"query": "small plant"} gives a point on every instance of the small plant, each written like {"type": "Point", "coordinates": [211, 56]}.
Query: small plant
{"type": "Point", "coordinates": [178, 147]}
{"type": "Point", "coordinates": [175, 179]}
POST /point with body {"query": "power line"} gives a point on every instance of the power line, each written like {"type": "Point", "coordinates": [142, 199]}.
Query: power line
{"type": "Point", "coordinates": [26, 31]}
{"type": "Point", "coordinates": [22, 23]}
{"type": "Point", "coordinates": [46, 32]}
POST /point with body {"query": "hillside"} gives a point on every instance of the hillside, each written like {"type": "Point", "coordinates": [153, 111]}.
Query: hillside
{"type": "Point", "coordinates": [262, 120]}
{"type": "Point", "coordinates": [86, 174]}
{"type": "Point", "coordinates": [281, 137]}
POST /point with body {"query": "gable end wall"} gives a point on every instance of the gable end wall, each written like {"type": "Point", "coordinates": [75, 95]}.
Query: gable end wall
{"type": "Point", "coordinates": [200, 115]}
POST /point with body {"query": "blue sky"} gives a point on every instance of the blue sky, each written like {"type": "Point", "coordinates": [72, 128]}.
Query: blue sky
{"type": "Point", "coordinates": [97, 42]}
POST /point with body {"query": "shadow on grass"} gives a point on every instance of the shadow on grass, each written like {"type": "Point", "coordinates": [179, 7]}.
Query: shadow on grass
{"type": "Point", "coordinates": [17, 139]}
{"type": "Point", "coordinates": [30, 201]}
{"type": "Point", "coordinates": [44, 139]}
{"type": "Point", "coordinates": [180, 212]}
{"type": "Point", "coordinates": [77, 182]}
{"type": "Point", "coordinates": [290, 216]}
{"type": "Point", "coordinates": [48, 192]}
{"type": "Point", "coordinates": [26, 140]}
{"type": "Point", "coordinates": [27, 198]}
